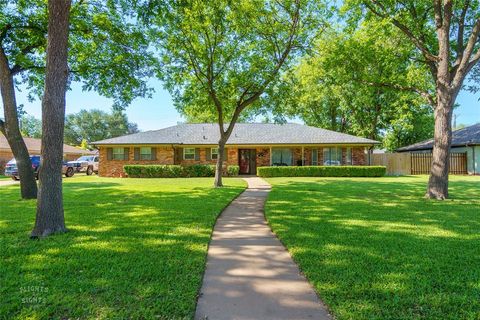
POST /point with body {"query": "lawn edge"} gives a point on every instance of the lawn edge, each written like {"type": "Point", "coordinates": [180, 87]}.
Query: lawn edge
{"type": "Point", "coordinates": [327, 307]}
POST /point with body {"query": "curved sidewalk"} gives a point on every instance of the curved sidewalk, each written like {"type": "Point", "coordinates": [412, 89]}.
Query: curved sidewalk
{"type": "Point", "coordinates": [249, 274]}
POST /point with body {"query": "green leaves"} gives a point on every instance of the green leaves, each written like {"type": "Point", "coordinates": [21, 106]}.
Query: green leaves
{"type": "Point", "coordinates": [225, 54]}
{"type": "Point", "coordinates": [95, 125]}
{"type": "Point", "coordinates": [360, 82]}
{"type": "Point", "coordinates": [108, 51]}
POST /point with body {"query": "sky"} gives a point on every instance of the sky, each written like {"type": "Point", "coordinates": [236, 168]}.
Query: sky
{"type": "Point", "coordinates": [159, 112]}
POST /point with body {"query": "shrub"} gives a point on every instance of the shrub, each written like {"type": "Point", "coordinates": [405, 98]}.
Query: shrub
{"type": "Point", "coordinates": [233, 171]}
{"type": "Point", "coordinates": [199, 170]}
{"type": "Point", "coordinates": [153, 171]}
{"type": "Point", "coordinates": [175, 171]}
{"type": "Point", "coordinates": [322, 171]}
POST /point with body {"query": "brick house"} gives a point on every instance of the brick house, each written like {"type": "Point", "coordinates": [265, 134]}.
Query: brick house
{"type": "Point", "coordinates": [251, 145]}
{"type": "Point", "coordinates": [33, 146]}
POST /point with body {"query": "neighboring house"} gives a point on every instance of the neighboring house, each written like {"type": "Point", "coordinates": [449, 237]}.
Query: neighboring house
{"type": "Point", "coordinates": [250, 145]}
{"type": "Point", "coordinates": [466, 140]}
{"type": "Point", "coordinates": [33, 146]}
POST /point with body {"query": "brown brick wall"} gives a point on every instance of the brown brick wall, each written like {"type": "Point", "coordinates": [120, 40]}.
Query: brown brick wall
{"type": "Point", "coordinates": [358, 156]}
{"type": "Point", "coordinates": [165, 155]}
{"type": "Point", "coordinates": [114, 168]}
{"type": "Point", "coordinates": [5, 156]}
{"type": "Point", "coordinates": [263, 157]}
{"type": "Point", "coordinates": [232, 157]}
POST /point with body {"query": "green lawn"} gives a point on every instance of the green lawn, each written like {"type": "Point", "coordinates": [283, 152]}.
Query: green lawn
{"type": "Point", "coordinates": [3, 177]}
{"type": "Point", "coordinates": [136, 249]}
{"type": "Point", "coordinates": [373, 248]}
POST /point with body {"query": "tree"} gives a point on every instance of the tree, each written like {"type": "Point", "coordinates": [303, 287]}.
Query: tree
{"type": "Point", "coordinates": [50, 217]}
{"type": "Point", "coordinates": [95, 125]}
{"type": "Point", "coordinates": [446, 35]}
{"type": "Point", "coordinates": [108, 53]}
{"type": "Point", "coordinates": [219, 57]}
{"type": "Point", "coordinates": [341, 85]}
{"type": "Point", "coordinates": [17, 38]}
{"type": "Point", "coordinates": [30, 126]}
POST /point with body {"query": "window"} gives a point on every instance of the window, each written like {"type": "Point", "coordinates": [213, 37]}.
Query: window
{"type": "Point", "coordinates": [214, 153]}
{"type": "Point", "coordinates": [348, 157]}
{"type": "Point", "coordinates": [314, 157]}
{"type": "Point", "coordinates": [282, 157]}
{"type": "Point", "coordinates": [118, 154]}
{"type": "Point", "coordinates": [145, 153]}
{"type": "Point", "coordinates": [189, 154]}
{"type": "Point", "coordinates": [332, 156]}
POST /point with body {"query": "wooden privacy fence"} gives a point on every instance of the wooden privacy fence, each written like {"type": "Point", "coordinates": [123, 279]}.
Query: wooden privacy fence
{"type": "Point", "coordinates": [421, 163]}
{"type": "Point", "coordinates": [397, 164]}
{"type": "Point", "coordinates": [417, 163]}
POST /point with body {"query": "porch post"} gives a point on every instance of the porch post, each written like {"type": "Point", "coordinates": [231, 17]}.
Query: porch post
{"type": "Point", "coordinates": [270, 156]}
{"type": "Point", "coordinates": [303, 156]}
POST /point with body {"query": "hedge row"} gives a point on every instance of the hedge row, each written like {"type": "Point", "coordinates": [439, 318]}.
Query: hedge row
{"type": "Point", "coordinates": [322, 171]}
{"type": "Point", "coordinates": [175, 171]}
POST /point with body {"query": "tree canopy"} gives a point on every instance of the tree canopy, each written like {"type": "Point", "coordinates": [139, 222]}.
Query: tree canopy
{"type": "Point", "coordinates": [108, 51]}
{"type": "Point", "coordinates": [219, 57]}
{"type": "Point", "coordinates": [94, 125]}
{"type": "Point", "coordinates": [362, 82]}
{"type": "Point", "coordinates": [446, 35]}
{"type": "Point", "coordinates": [30, 126]}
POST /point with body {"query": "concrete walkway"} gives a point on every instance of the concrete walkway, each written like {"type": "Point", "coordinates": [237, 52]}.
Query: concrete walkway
{"type": "Point", "coordinates": [249, 273]}
{"type": "Point", "coordinates": [5, 182]}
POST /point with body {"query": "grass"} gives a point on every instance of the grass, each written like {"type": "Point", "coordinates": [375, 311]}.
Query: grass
{"type": "Point", "coordinates": [136, 249]}
{"type": "Point", "coordinates": [373, 248]}
{"type": "Point", "coordinates": [4, 177]}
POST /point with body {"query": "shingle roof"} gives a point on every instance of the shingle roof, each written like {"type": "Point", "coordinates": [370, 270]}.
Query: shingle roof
{"type": "Point", "coordinates": [469, 135]}
{"type": "Point", "coordinates": [243, 134]}
{"type": "Point", "coordinates": [34, 146]}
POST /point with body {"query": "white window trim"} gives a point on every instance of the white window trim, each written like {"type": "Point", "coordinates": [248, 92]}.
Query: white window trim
{"type": "Point", "coordinates": [214, 153]}
{"type": "Point", "coordinates": [185, 153]}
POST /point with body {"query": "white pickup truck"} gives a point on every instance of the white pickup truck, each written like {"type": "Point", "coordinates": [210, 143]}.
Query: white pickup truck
{"type": "Point", "coordinates": [87, 164]}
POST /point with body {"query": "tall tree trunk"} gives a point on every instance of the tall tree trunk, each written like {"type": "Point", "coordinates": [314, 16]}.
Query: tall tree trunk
{"type": "Point", "coordinates": [50, 216]}
{"type": "Point", "coordinates": [438, 180]}
{"type": "Point", "coordinates": [219, 166]}
{"type": "Point", "coordinates": [11, 129]}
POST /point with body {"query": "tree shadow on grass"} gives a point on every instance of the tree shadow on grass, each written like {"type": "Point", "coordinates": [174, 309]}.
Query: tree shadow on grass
{"type": "Point", "coordinates": [128, 254]}
{"type": "Point", "coordinates": [376, 249]}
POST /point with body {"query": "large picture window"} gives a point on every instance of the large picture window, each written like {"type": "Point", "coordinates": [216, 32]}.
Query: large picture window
{"type": "Point", "coordinates": [332, 156]}
{"type": "Point", "coordinates": [189, 154]}
{"type": "Point", "coordinates": [282, 157]}
{"type": "Point", "coordinates": [118, 154]}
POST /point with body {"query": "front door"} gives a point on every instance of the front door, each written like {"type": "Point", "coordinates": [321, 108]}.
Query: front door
{"type": "Point", "coordinates": [246, 161]}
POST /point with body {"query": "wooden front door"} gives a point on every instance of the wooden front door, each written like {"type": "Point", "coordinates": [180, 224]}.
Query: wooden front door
{"type": "Point", "coordinates": [247, 161]}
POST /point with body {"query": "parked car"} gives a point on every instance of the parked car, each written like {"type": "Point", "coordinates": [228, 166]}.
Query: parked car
{"type": "Point", "coordinates": [11, 169]}
{"type": "Point", "coordinates": [332, 163]}
{"type": "Point", "coordinates": [87, 164]}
